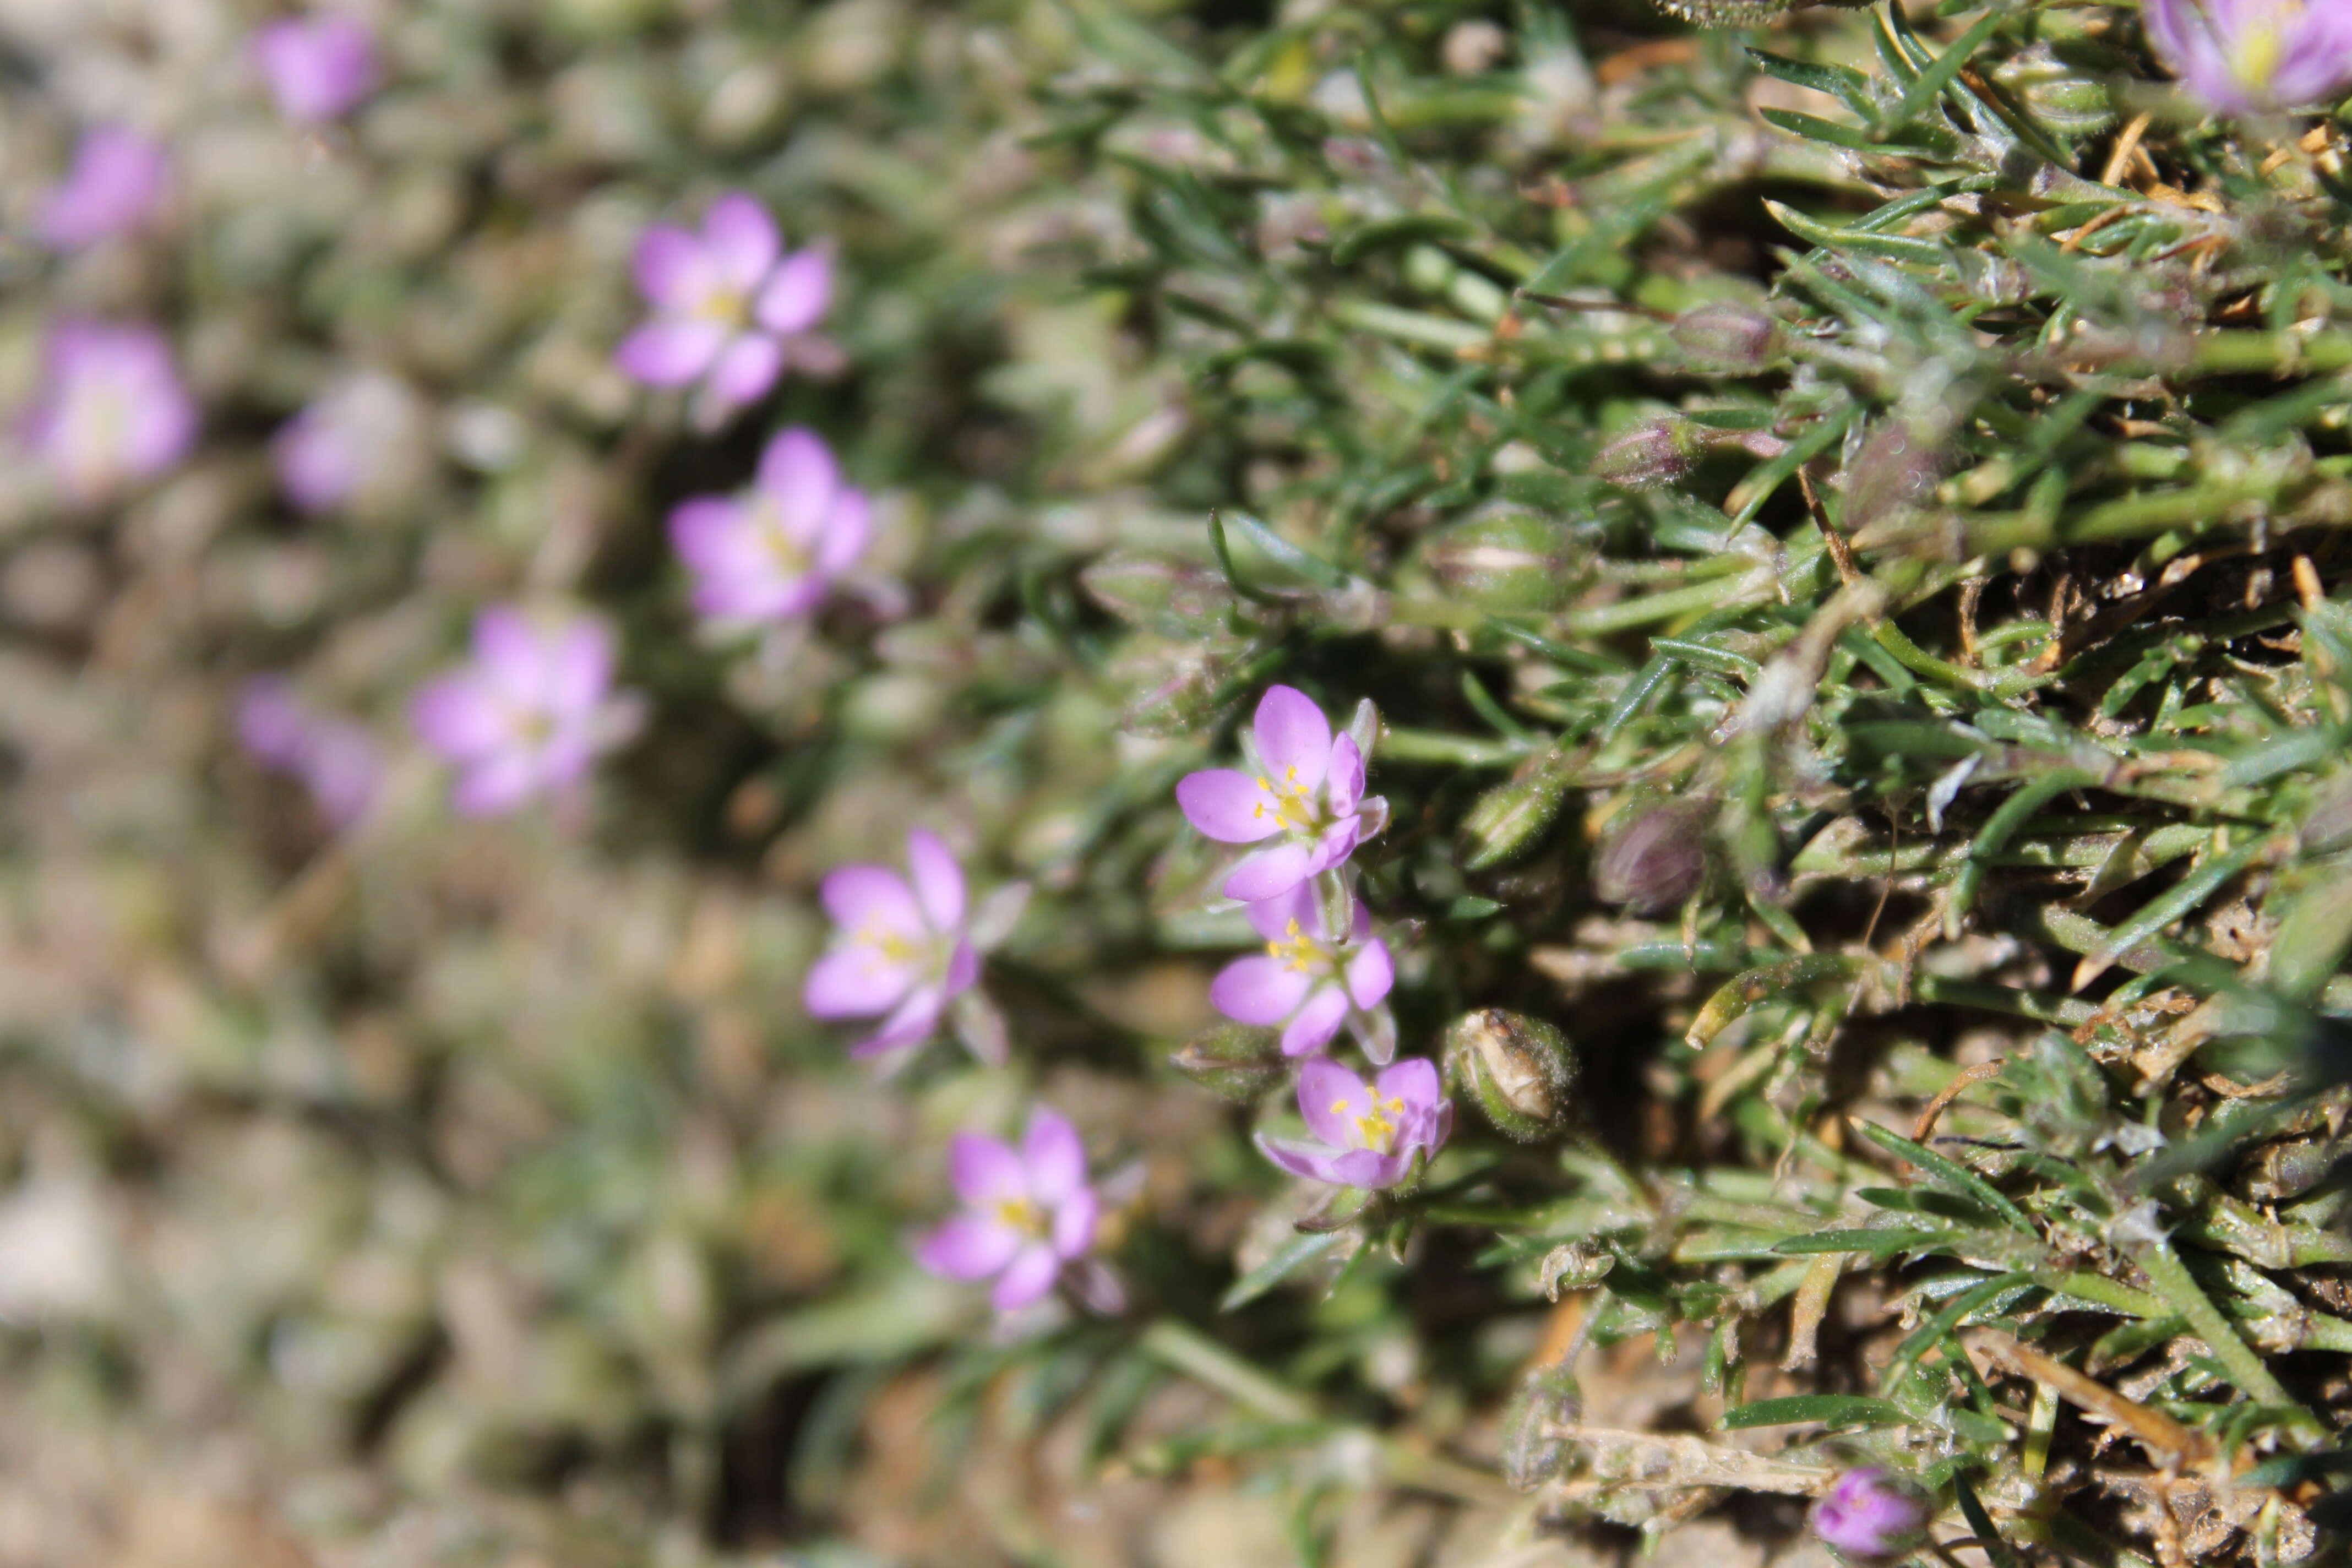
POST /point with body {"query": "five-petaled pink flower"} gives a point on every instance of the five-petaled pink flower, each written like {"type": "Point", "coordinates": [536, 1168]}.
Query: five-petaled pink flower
{"type": "Point", "coordinates": [2246, 56]}
{"type": "Point", "coordinates": [902, 951]}
{"type": "Point", "coordinates": [530, 714]}
{"type": "Point", "coordinates": [112, 410]}
{"type": "Point", "coordinates": [1868, 1513]}
{"type": "Point", "coordinates": [1306, 793]}
{"type": "Point", "coordinates": [732, 308]}
{"type": "Point", "coordinates": [1027, 1213]}
{"type": "Point", "coordinates": [336, 759]}
{"type": "Point", "coordinates": [318, 68]}
{"type": "Point", "coordinates": [771, 552]}
{"type": "Point", "coordinates": [1306, 981]}
{"type": "Point", "coordinates": [1366, 1135]}
{"type": "Point", "coordinates": [116, 179]}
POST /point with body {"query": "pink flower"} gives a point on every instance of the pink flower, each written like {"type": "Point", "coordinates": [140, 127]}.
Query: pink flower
{"type": "Point", "coordinates": [364, 437]}
{"type": "Point", "coordinates": [1306, 793]}
{"type": "Point", "coordinates": [1306, 983]}
{"type": "Point", "coordinates": [336, 759]}
{"type": "Point", "coordinates": [2242, 56]}
{"type": "Point", "coordinates": [318, 68]}
{"type": "Point", "coordinates": [901, 950]}
{"type": "Point", "coordinates": [117, 178]}
{"type": "Point", "coordinates": [112, 410]}
{"type": "Point", "coordinates": [730, 308]}
{"type": "Point", "coordinates": [1374, 1135]}
{"type": "Point", "coordinates": [1868, 1513]}
{"type": "Point", "coordinates": [530, 714]}
{"type": "Point", "coordinates": [771, 552]}
{"type": "Point", "coordinates": [1028, 1213]}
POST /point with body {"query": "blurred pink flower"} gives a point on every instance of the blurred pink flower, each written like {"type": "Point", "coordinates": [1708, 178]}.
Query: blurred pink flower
{"type": "Point", "coordinates": [1365, 1135]}
{"type": "Point", "coordinates": [1028, 1213]}
{"type": "Point", "coordinates": [336, 759]}
{"type": "Point", "coordinates": [2244, 56]}
{"type": "Point", "coordinates": [530, 714]}
{"type": "Point", "coordinates": [771, 552]}
{"type": "Point", "coordinates": [732, 309]}
{"type": "Point", "coordinates": [117, 178]}
{"type": "Point", "coordinates": [362, 436]}
{"type": "Point", "coordinates": [901, 948]}
{"type": "Point", "coordinates": [111, 411]}
{"type": "Point", "coordinates": [318, 68]}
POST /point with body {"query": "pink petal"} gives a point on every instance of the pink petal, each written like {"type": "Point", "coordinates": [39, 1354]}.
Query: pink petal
{"type": "Point", "coordinates": [985, 1171]}
{"type": "Point", "coordinates": [1260, 990]}
{"type": "Point", "coordinates": [915, 1021]}
{"type": "Point", "coordinates": [1343, 780]}
{"type": "Point", "coordinates": [797, 295]}
{"type": "Point", "coordinates": [1294, 739]}
{"type": "Point", "coordinates": [871, 899]}
{"type": "Point", "coordinates": [855, 982]}
{"type": "Point", "coordinates": [1027, 1279]}
{"type": "Point", "coordinates": [1337, 843]}
{"type": "Point", "coordinates": [1272, 917]}
{"type": "Point", "coordinates": [497, 783]}
{"type": "Point", "coordinates": [741, 240]}
{"type": "Point", "coordinates": [1073, 1223]}
{"type": "Point", "coordinates": [1371, 973]}
{"type": "Point", "coordinates": [1330, 1099]}
{"type": "Point", "coordinates": [1412, 1080]}
{"type": "Point", "coordinates": [578, 669]}
{"type": "Point", "coordinates": [1268, 872]}
{"type": "Point", "coordinates": [670, 351]}
{"type": "Point", "coordinates": [1054, 1156]}
{"type": "Point", "coordinates": [707, 533]}
{"type": "Point", "coordinates": [745, 368]}
{"type": "Point", "coordinates": [797, 471]}
{"type": "Point", "coordinates": [969, 1247]}
{"type": "Point", "coordinates": [672, 269]}
{"type": "Point", "coordinates": [848, 527]}
{"type": "Point", "coordinates": [963, 971]}
{"type": "Point", "coordinates": [1316, 1022]}
{"type": "Point", "coordinates": [1229, 806]}
{"type": "Point", "coordinates": [1368, 1168]}
{"type": "Point", "coordinates": [455, 717]}
{"type": "Point", "coordinates": [938, 884]}
{"type": "Point", "coordinates": [1307, 1160]}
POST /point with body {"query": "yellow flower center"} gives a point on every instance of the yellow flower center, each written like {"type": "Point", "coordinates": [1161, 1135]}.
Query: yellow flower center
{"type": "Point", "coordinates": [2255, 52]}
{"type": "Point", "coordinates": [1021, 1215]}
{"type": "Point", "coordinates": [1374, 1130]}
{"type": "Point", "coordinates": [725, 307]}
{"type": "Point", "coordinates": [1297, 949]}
{"type": "Point", "coordinates": [789, 558]}
{"type": "Point", "coordinates": [1292, 807]}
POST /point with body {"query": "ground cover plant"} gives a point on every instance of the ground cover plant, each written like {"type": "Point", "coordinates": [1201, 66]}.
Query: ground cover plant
{"type": "Point", "coordinates": [1060, 783]}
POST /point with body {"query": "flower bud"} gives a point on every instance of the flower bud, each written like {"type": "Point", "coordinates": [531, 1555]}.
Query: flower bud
{"type": "Point", "coordinates": [1165, 593]}
{"type": "Point", "coordinates": [1871, 1514]}
{"type": "Point", "coordinates": [2281, 1171]}
{"type": "Point", "coordinates": [1178, 688]}
{"type": "Point", "coordinates": [1728, 336]}
{"type": "Point", "coordinates": [1517, 1069]}
{"type": "Point", "coordinates": [1233, 1061]}
{"type": "Point", "coordinates": [1653, 854]}
{"type": "Point", "coordinates": [1509, 562]}
{"type": "Point", "coordinates": [2064, 84]}
{"type": "Point", "coordinates": [1533, 1450]}
{"type": "Point", "coordinates": [1512, 819]}
{"type": "Point", "coordinates": [1894, 473]}
{"type": "Point", "coordinates": [1654, 452]}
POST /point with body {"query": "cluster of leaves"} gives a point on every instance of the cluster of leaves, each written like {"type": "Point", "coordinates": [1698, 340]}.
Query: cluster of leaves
{"type": "Point", "coordinates": [1897, 454]}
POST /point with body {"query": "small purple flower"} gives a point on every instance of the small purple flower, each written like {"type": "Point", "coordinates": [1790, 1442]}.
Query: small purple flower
{"type": "Point", "coordinates": [2246, 56]}
{"type": "Point", "coordinates": [901, 952]}
{"type": "Point", "coordinates": [363, 436]}
{"type": "Point", "coordinates": [1306, 793]}
{"type": "Point", "coordinates": [112, 410]}
{"type": "Point", "coordinates": [1028, 1213]}
{"type": "Point", "coordinates": [771, 552]}
{"type": "Point", "coordinates": [1869, 1513]}
{"type": "Point", "coordinates": [336, 759]}
{"type": "Point", "coordinates": [117, 178]}
{"type": "Point", "coordinates": [318, 68]}
{"type": "Point", "coordinates": [530, 714]}
{"type": "Point", "coordinates": [1366, 1135]}
{"type": "Point", "coordinates": [1304, 981]}
{"type": "Point", "coordinates": [732, 308]}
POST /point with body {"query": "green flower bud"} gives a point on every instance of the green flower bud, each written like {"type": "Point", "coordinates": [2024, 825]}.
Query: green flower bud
{"type": "Point", "coordinates": [1509, 562]}
{"type": "Point", "coordinates": [1728, 336]}
{"type": "Point", "coordinates": [1233, 1061]}
{"type": "Point", "coordinates": [1517, 1069]}
{"type": "Point", "coordinates": [2064, 83]}
{"type": "Point", "coordinates": [1166, 593]}
{"type": "Point", "coordinates": [2281, 1171]}
{"type": "Point", "coordinates": [1512, 819]}
{"type": "Point", "coordinates": [1653, 854]}
{"type": "Point", "coordinates": [1654, 452]}
{"type": "Point", "coordinates": [1177, 686]}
